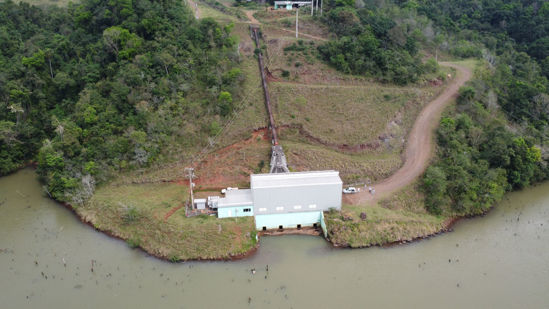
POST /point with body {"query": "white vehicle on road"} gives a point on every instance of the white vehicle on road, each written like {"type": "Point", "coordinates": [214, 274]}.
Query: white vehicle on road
{"type": "Point", "coordinates": [350, 190]}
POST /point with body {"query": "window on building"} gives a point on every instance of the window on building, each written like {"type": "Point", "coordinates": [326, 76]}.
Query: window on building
{"type": "Point", "coordinates": [297, 207]}
{"type": "Point", "coordinates": [312, 206]}
{"type": "Point", "coordinates": [280, 208]}
{"type": "Point", "coordinates": [262, 209]}
{"type": "Point", "coordinates": [247, 209]}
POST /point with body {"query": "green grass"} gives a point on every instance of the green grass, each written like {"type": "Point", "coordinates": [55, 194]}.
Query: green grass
{"type": "Point", "coordinates": [409, 198]}
{"type": "Point", "coordinates": [208, 11]}
{"type": "Point", "coordinates": [400, 217]}
{"type": "Point", "coordinates": [381, 226]}
{"type": "Point", "coordinates": [179, 237]}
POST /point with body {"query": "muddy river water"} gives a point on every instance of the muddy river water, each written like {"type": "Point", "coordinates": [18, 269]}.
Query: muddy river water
{"type": "Point", "coordinates": [497, 261]}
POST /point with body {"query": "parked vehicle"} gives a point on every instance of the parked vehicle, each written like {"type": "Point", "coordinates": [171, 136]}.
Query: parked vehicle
{"type": "Point", "coordinates": [350, 190]}
{"type": "Point", "coordinates": [223, 191]}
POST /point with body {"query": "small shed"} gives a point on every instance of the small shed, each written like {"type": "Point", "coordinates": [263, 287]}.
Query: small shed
{"type": "Point", "coordinates": [200, 203]}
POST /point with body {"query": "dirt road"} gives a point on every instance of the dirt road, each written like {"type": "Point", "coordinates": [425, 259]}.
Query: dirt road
{"type": "Point", "coordinates": [419, 148]}
{"type": "Point", "coordinates": [250, 15]}
{"type": "Point", "coordinates": [194, 7]}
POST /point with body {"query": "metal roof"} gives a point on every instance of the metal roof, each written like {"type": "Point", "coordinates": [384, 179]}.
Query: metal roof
{"type": "Point", "coordinates": [279, 180]}
{"type": "Point", "coordinates": [292, 2]}
{"type": "Point", "coordinates": [242, 197]}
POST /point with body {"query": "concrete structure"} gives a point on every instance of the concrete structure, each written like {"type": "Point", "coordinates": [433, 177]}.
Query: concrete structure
{"type": "Point", "coordinates": [213, 201]}
{"type": "Point", "coordinates": [200, 203]}
{"type": "Point", "coordinates": [283, 200]}
{"type": "Point", "coordinates": [293, 200]}
{"type": "Point", "coordinates": [278, 160]}
{"type": "Point", "coordinates": [236, 203]}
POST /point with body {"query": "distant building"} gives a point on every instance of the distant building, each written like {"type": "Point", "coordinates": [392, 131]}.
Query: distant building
{"type": "Point", "coordinates": [289, 5]}
{"type": "Point", "coordinates": [284, 200]}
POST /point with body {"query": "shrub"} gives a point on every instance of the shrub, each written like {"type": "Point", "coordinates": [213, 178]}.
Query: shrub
{"type": "Point", "coordinates": [133, 242]}
{"type": "Point", "coordinates": [131, 214]}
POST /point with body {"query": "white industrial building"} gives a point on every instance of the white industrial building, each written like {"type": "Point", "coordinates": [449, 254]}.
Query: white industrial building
{"type": "Point", "coordinates": [284, 200]}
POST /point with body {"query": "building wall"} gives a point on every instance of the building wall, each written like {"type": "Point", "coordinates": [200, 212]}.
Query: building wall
{"type": "Point", "coordinates": [237, 211]}
{"type": "Point", "coordinates": [299, 198]}
{"type": "Point", "coordinates": [287, 220]}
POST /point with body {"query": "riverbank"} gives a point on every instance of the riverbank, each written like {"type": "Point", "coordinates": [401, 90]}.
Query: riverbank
{"type": "Point", "coordinates": [206, 238]}
{"type": "Point", "coordinates": [150, 217]}
{"type": "Point", "coordinates": [484, 252]}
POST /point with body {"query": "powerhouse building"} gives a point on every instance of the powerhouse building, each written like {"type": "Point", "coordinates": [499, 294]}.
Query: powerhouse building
{"type": "Point", "coordinates": [284, 200]}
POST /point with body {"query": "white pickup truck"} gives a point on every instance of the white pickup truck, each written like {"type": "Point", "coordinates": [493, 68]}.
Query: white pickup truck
{"type": "Point", "coordinates": [350, 190]}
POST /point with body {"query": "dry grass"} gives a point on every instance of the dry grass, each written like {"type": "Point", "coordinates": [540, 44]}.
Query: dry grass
{"type": "Point", "coordinates": [353, 168]}
{"type": "Point", "coordinates": [178, 238]}
{"type": "Point", "coordinates": [342, 114]}
{"type": "Point", "coordinates": [61, 3]}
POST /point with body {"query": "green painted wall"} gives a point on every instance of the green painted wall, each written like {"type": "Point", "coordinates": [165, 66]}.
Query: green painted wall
{"type": "Point", "coordinates": [288, 220]}
{"type": "Point", "coordinates": [230, 212]}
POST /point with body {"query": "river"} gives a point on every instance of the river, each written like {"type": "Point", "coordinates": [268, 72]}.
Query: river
{"type": "Point", "coordinates": [497, 261]}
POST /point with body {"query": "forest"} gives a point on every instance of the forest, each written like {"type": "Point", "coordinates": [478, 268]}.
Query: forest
{"type": "Point", "coordinates": [382, 42]}
{"type": "Point", "coordinates": [495, 140]}
{"type": "Point", "coordinates": [103, 86]}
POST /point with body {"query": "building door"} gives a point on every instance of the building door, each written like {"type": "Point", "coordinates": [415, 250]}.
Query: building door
{"type": "Point", "coordinates": [229, 213]}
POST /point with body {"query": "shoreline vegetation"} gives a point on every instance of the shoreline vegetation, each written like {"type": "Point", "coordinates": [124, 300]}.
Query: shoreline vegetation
{"type": "Point", "coordinates": [99, 116]}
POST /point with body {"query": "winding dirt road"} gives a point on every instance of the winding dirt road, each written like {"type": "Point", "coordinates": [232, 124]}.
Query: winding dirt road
{"type": "Point", "coordinates": [419, 148]}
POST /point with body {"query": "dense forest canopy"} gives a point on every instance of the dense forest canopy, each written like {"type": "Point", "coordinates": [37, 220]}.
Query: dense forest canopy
{"type": "Point", "coordinates": [375, 40]}
{"type": "Point", "coordinates": [107, 85]}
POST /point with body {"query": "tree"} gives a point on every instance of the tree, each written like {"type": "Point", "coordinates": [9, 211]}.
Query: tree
{"type": "Point", "coordinates": [434, 184]}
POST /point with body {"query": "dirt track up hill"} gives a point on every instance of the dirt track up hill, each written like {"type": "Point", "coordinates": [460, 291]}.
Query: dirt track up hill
{"type": "Point", "coordinates": [419, 148]}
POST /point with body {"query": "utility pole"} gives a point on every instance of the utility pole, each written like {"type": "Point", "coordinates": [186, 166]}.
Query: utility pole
{"type": "Point", "coordinates": [321, 2]}
{"type": "Point", "coordinates": [190, 170]}
{"type": "Point", "coordinates": [296, 22]}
